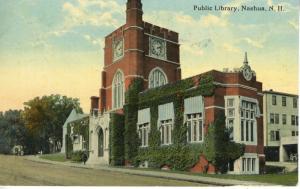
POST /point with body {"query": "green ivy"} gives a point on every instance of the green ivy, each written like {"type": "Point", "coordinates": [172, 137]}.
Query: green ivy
{"type": "Point", "coordinates": [116, 128]}
{"type": "Point", "coordinates": [219, 150]}
{"type": "Point", "coordinates": [180, 155]}
{"type": "Point", "coordinates": [131, 113]}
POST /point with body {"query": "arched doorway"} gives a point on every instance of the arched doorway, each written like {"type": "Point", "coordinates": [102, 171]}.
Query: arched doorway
{"type": "Point", "coordinates": [100, 143]}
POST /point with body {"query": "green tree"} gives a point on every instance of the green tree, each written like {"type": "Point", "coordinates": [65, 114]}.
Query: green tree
{"type": "Point", "coordinates": [12, 130]}
{"type": "Point", "coordinates": [219, 149]}
{"type": "Point", "coordinates": [44, 118]}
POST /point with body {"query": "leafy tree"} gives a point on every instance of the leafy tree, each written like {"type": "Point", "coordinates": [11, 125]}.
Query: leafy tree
{"type": "Point", "coordinates": [44, 118]}
{"type": "Point", "coordinates": [12, 130]}
{"type": "Point", "coordinates": [219, 149]}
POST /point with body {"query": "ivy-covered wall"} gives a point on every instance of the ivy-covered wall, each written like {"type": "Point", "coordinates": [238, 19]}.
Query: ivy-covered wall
{"type": "Point", "coordinates": [116, 128]}
{"type": "Point", "coordinates": [180, 155]}
{"type": "Point", "coordinates": [131, 113]}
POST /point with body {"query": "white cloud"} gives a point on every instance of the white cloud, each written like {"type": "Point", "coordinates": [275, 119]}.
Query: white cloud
{"type": "Point", "coordinates": [93, 12]}
{"type": "Point", "coordinates": [230, 48]}
{"type": "Point", "coordinates": [95, 41]}
{"type": "Point", "coordinates": [212, 20]}
{"type": "Point", "coordinates": [254, 43]}
{"type": "Point", "coordinates": [294, 24]}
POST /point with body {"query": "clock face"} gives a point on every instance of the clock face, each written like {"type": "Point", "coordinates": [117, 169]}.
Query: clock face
{"type": "Point", "coordinates": [157, 48]}
{"type": "Point", "coordinates": [118, 49]}
{"type": "Point", "coordinates": [247, 73]}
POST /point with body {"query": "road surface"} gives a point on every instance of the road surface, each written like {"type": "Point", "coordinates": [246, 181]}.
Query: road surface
{"type": "Point", "coordinates": [17, 171]}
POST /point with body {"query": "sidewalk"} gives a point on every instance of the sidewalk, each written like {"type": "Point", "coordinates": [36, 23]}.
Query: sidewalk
{"type": "Point", "coordinates": [158, 174]}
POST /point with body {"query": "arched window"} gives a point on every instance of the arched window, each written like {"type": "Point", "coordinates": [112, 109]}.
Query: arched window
{"type": "Point", "coordinates": [118, 90]}
{"type": "Point", "coordinates": [157, 78]}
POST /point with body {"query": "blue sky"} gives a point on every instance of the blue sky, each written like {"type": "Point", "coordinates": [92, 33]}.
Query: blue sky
{"type": "Point", "coordinates": [56, 46]}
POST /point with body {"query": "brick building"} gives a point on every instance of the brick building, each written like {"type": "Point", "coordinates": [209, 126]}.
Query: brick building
{"type": "Point", "coordinates": [140, 50]}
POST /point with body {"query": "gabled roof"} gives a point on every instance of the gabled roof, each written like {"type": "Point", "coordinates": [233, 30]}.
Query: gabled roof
{"type": "Point", "coordinates": [74, 116]}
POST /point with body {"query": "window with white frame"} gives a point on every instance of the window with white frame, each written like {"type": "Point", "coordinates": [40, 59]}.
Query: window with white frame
{"type": "Point", "coordinates": [248, 121]}
{"type": "Point", "coordinates": [195, 127]}
{"type": "Point", "coordinates": [118, 90]}
{"type": "Point", "coordinates": [157, 78]}
{"type": "Point", "coordinates": [166, 127]}
{"type": "Point", "coordinates": [230, 124]}
{"type": "Point", "coordinates": [274, 136]}
{"type": "Point", "coordinates": [230, 116]}
{"type": "Point", "coordinates": [294, 120]}
{"type": "Point", "coordinates": [284, 119]}
{"type": "Point", "coordinates": [165, 122]}
{"type": "Point", "coordinates": [144, 130]}
{"type": "Point", "coordinates": [248, 165]}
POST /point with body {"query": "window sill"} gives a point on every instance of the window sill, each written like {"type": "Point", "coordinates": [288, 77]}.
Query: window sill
{"type": "Point", "coordinates": [196, 142]}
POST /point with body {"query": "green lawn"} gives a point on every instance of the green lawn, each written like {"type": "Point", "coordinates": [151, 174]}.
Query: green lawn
{"type": "Point", "coordinates": [54, 157]}
{"type": "Point", "coordinates": [287, 179]}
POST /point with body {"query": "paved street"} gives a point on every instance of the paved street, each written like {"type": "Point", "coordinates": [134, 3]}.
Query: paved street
{"type": "Point", "coordinates": [19, 171]}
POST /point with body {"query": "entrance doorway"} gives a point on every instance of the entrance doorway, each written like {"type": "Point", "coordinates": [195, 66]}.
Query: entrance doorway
{"type": "Point", "coordinates": [100, 143]}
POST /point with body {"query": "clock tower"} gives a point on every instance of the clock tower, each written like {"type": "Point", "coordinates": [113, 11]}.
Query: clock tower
{"type": "Point", "coordinates": [137, 49]}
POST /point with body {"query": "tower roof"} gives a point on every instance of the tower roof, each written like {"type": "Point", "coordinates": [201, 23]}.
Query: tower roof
{"type": "Point", "coordinates": [134, 4]}
{"type": "Point", "coordinates": [246, 58]}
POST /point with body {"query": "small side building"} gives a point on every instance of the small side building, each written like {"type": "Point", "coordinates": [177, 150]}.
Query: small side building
{"type": "Point", "coordinates": [74, 116]}
{"type": "Point", "coordinates": [281, 126]}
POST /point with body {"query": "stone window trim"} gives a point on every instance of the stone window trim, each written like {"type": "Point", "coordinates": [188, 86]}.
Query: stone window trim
{"type": "Point", "coordinates": [249, 163]}
{"type": "Point", "coordinates": [152, 39]}
{"type": "Point", "coordinates": [115, 41]}
{"type": "Point", "coordinates": [157, 77]}
{"type": "Point", "coordinates": [166, 131]}
{"type": "Point", "coordinates": [118, 90]}
{"type": "Point", "coordinates": [144, 131]}
{"type": "Point", "coordinates": [195, 126]}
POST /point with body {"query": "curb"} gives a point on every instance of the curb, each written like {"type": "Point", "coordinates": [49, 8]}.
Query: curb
{"type": "Point", "coordinates": [156, 174]}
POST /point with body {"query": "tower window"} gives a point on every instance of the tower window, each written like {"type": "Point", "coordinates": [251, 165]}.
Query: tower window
{"type": "Point", "coordinates": [157, 78]}
{"type": "Point", "coordinates": [118, 90]}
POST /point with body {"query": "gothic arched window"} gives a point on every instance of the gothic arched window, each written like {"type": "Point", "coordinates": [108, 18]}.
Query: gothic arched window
{"type": "Point", "coordinates": [118, 90]}
{"type": "Point", "coordinates": [157, 78]}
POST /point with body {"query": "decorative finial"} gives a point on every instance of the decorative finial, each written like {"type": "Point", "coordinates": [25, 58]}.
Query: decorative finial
{"type": "Point", "coordinates": [246, 58]}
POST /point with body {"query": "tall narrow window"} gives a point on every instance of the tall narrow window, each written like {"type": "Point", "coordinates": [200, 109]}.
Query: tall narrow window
{"type": "Point", "coordinates": [277, 136]}
{"type": "Point", "coordinates": [283, 101]}
{"type": "Point", "coordinates": [274, 100]}
{"type": "Point", "coordinates": [295, 102]}
{"type": "Point", "coordinates": [283, 119]}
{"type": "Point", "coordinates": [248, 122]}
{"type": "Point", "coordinates": [118, 90]}
{"type": "Point", "coordinates": [253, 164]}
{"type": "Point", "coordinates": [276, 118]}
{"type": "Point", "coordinates": [166, 132]}
{"type": "Point", "coordinates": [195, 127]}
{"type": "Point", "coordinates": [252, 131]}
{"type": "Point", "coordinates": [293, 120]}
{"type": "Point", "coordinates": [272, 119]}
{"type": "Point", "coordinates": [157, 78]}
{"type": "Point", "coordinates": [242, 130]}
